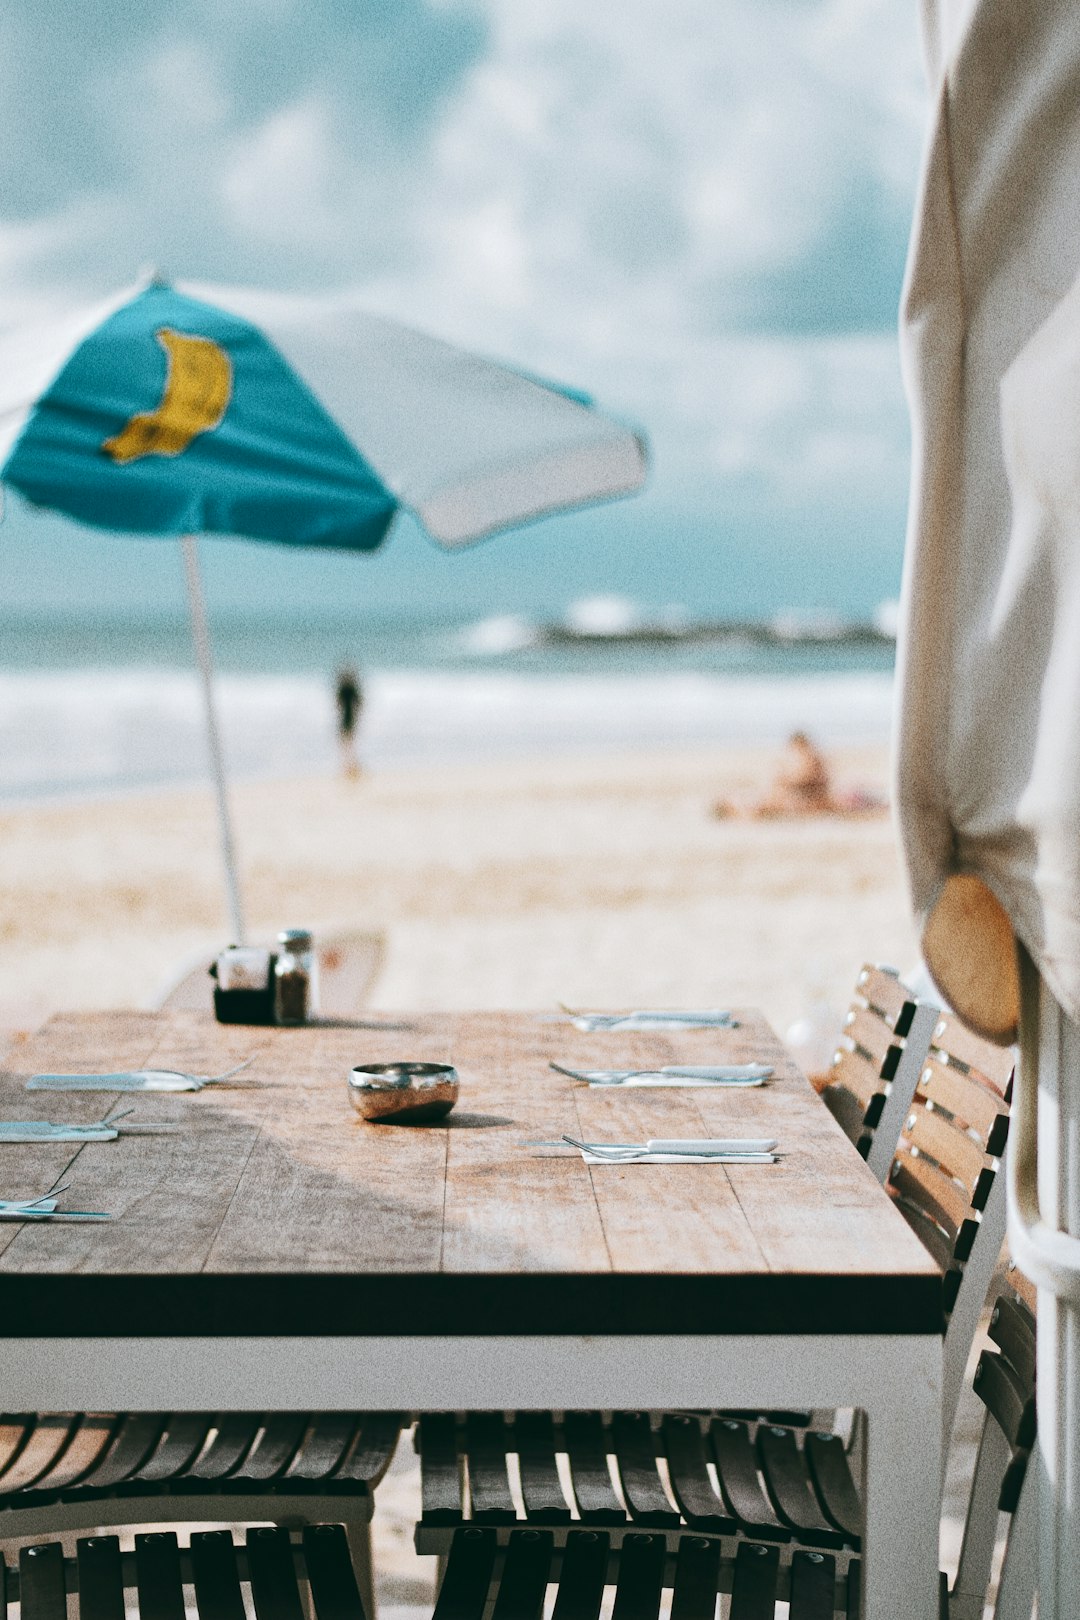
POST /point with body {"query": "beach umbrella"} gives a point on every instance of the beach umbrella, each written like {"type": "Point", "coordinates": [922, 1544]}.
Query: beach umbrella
{"type": "Point", "coordinates": [988, 759]}
{"type": "Point", "coordinates": [183, 410]}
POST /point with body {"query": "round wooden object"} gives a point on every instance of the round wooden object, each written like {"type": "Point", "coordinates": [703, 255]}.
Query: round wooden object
{"type": "Point", "coordinates": [970, 949]}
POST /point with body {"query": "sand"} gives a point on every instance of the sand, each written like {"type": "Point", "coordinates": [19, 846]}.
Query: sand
{"type": "Point", "coordinates": [601, 880]}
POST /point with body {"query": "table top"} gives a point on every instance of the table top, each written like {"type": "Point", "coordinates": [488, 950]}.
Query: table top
{"type": "Point", "coordinates": [275, 1210]}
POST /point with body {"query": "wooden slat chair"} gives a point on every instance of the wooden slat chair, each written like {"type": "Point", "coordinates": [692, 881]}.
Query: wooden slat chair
{"type": "Point", "coordinates": [65, 1472]}
{"type": "Point", "coordinates": [878, 1059]}
{"type": "Point", "coordinates": [277, 1577]}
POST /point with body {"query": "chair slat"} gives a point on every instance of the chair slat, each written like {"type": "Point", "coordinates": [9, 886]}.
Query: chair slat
{"type": "Point", "coordinates": [41, 1583]}
{"type": "Point", "coordinates": [834, 1484]}
{"type": "Point", "coordinates": [964, 1097]}
{"type": "Point", "coordinates": [229, 1447]}
{"type": "Point", "coordinates": [43, 1448]}
{"type": "Point", "coordinates": [870, 1033]}
{"type": "Point", "coordinates": [753, 1585]}
{"type": "Point", "coordinates": [883, 989]}
{"type": "Point", "coordinates": [130, 1447]}
{"type": "Point", "coordinates": [640, 1578]}
{"type": "Point", "coordinates": [583, 1576]}
{"type": "Point", "coordinates": [323, 1448]}
{"type": "Point", "coordinates": [15, 1428]}
{"type": "Point", "coordinates": [87, 1445]}
{"type": "Point", "coordinates": [642, 1486]}
{"type": "Point", "coordinates": [274, 1589]}
{"type": "Point", "coordinates": [273, 1451]}
{"type": "Point", "coordinates": [330, 1573]}
{"type": "Point", "coordinates": [787, 1479]}
{"type": "Point", "coordinates": [994, 1064]}
{"type": "Point", "coordinates": [184, 1437]}
{"type": "Point", "coordinates": [586, 1448]}
{"type": "Point", "coordinates": [157, 1575]}
{"type": "Point", "coordinates": [523, 1586]}
{"type": "Point", "coordinates": [487, 1441]}
{"type": "Point", "coordinates": [373, 1448]}
{"type": "Point", "coordinates": [856, 1074]}
{"type": "Point", "coordinates": [464, 1589]}
{"type": "Point", "coordinates": [697, 1577]}
{"type": "Point", "coordinates": [1012, 1328]}
{"type": "Point", "coordinates": [736, 1469]}
{"type": "Point", "coordinates": [101, 1578]}
{"type": "Point", "coordinates": [534, 1441]}
{"type": "Point", "coordinates": [215, 1576]}
{"type": "Point", "coordinates": [953, 1150]}
{"type": "Point", "coordinates": [813, 1587]}
{"type": "Point", "coordinates": [1005, 1398]}
{"type": "Point", "coordinates": [684, 1445]}
{"type": "Point", "coordinates": [441, 1496]}
{"type": "Point", "coordinates": [921, 1185]}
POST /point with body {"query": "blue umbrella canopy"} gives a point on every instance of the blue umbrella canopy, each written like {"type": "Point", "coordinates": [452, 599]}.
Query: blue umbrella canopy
{"type": "Point", "coordinates": [182, 409]}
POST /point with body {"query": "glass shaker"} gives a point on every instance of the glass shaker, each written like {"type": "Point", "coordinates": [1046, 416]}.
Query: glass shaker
{"type": "Point", "coordinates": [294, 977]}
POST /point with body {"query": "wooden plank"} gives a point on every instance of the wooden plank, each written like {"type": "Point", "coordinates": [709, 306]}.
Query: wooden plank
{"type": "Point", "coordinates": [857, 1075]}
{"type": "Point", "coordinates": [994, 1063]}
{"type": "Point", "coordinates": [869, 1032]}
{"type": "Point", "coordinates": [958, 1155]}
{"type": "Point", "coordinates": [885, 991]}
{"type": "Point", "coordinates": [962, 1095]}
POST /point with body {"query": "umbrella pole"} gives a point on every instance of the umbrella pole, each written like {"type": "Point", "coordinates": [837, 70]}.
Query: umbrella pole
{"type": "Point", "coordinates": [200, 634]}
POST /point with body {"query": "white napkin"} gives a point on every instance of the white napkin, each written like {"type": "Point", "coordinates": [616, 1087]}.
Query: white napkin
{"type": "Point", "coordinates": [683, 1158]}
{"type": "Point", "coordinates": [707, 1019]}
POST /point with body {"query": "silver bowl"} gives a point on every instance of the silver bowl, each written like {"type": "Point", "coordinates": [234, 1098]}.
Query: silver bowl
{"type": "Point", "coordinates": [403, 1093]}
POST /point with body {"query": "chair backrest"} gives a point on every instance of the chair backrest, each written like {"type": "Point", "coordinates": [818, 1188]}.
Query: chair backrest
{"type": "Point", "coordinates": [878, 1059]}
{"type": "Point", "coordinates": [1004, 1480]}
{"type": "Point", "coordinates": [945, 1177]}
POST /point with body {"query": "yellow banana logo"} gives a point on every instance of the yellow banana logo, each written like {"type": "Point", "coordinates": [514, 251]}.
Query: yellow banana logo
{"type": "Point", "coordinates": [198, 387]}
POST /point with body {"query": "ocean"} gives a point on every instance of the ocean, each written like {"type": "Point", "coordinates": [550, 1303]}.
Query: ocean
{"type": "Point", "coordinates": [585, 634]}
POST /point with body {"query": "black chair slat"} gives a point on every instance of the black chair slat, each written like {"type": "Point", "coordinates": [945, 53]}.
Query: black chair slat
{"type": "Point", "coordinates": [3, 1588]}
{"type": "Point", "coordinates": [330, 1574]}
{"type": "Point", "coordinates": [15, 1430]}
{"type": "Point", "coordinates": [583, 1575]}
{"type": "Point", "coordinates": [273, 1451]}
{"type": "Point", "coordinates": [486, 1443]}
{"type": "Point", "coordinates": [854, 1590]}
{"type": "Point", "coordinates": [813, 1587]}
{"type": "Point", "coordinates": [1012, 1328]}
{"type": "Point", "coordinates": [1006, 1399]}
{"type": "Point", "coordinates": [534, 1442]}
{"type": "Point", "coordinates": [372, 1449]}
{"type": "Point", "coordinates": [684, 1446]}
{"type": "Point", "coordinates": [787, 1479]}
{"type": "Point", "coordinates": [41, 1582]}
{"type": "Point", "coordinates": [464, 1589]}
{"type": "Point", "coordinates": [43, 1447]}
{"type": "Point", "coordinates": [753, 1586]}
{"type": "Point", "coordinates": [440, 1470]}
{"type": "Point", "coordinates": [643, 1488]}
{"type": "Point", "coordinates": [641, 1577]}
{"type": "Point", "coordinates": [697, 1577]}
{"type": "Point", "coordinates": [740, 1487]}
{"type": "Point", "coordinates": [324, 1446]}
{"type": "Point", "coordinates": [1012, 1482]}
{"type": "Point", "coordinates": [157, 1576]}
{"type": "Point", "coordinates": [834, 1484]}
{"type": "Point", "coordinates": [101, 1578]}
{"type": "Point", "coordinates": [523, 1586]}
{"type": "Point", "coordinates": [129, 1448]}
{"type": "Point", "coordinates": [586, 1448]}
{"type": "Point", "coordinates": [184, 1437]}
{"type": "Point", "coordinates": [215, 1576]}
{"type": "Point", "coordinates": [227, 1450]}
{"type": "Point", "coordinates": [274, 1589]}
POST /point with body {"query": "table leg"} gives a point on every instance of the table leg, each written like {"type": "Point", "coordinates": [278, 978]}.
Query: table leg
{"type": "Point", "coordinates": [901, 1492]}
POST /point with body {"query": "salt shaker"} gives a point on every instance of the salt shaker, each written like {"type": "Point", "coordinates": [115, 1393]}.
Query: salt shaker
{"type": "Point", "coordinates": [294, 977]}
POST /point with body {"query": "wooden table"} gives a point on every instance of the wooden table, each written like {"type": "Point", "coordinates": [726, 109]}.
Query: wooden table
{"type": "Point", "coordinates": [278, 1253]}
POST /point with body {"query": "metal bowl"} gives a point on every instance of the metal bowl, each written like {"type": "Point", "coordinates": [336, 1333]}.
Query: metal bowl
{"type": "Point", "coordinates": [403, 1093]}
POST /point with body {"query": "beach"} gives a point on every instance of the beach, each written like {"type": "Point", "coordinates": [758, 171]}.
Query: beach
{"type": "Point", "coordinates": [586, 877]}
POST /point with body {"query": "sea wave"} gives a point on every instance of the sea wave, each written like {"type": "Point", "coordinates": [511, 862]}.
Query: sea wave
{"type": "Point", "coordinates": [92, 731]}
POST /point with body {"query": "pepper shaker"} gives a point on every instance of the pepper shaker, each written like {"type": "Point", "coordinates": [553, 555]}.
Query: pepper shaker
{"type": "Point", "coordinates": [294, 977]}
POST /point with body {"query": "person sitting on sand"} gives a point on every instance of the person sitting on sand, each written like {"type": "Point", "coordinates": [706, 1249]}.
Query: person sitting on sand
{"type": "Point", "coordinates": [803, 787]}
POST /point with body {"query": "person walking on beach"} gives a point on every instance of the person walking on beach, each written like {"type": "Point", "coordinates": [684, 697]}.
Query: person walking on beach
{"type": "Point", "coordinates": [350, 703]}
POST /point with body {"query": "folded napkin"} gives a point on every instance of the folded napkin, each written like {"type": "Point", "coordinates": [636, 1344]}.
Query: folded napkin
{"type": "Point", "coordinates": [706, 1019]}
{"type": "Point", "coordinates": [726, 1074]}
{"type": "Point", "coordinates": [102, 1130]}
{"type": "Point", "coordinates": [38, 1209]}
{"type": "Point", "coordinates": [646, 1157]}
{"type": "Point", "coordinates": [128, 1080]}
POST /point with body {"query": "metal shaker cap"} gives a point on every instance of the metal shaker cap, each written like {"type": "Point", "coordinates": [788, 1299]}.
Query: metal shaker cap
{"type": "Point", "coordinates": [295, 939]}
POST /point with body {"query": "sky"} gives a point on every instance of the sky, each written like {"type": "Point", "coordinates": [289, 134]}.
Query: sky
{"type": "Point", "coordinates": [695, 209]}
